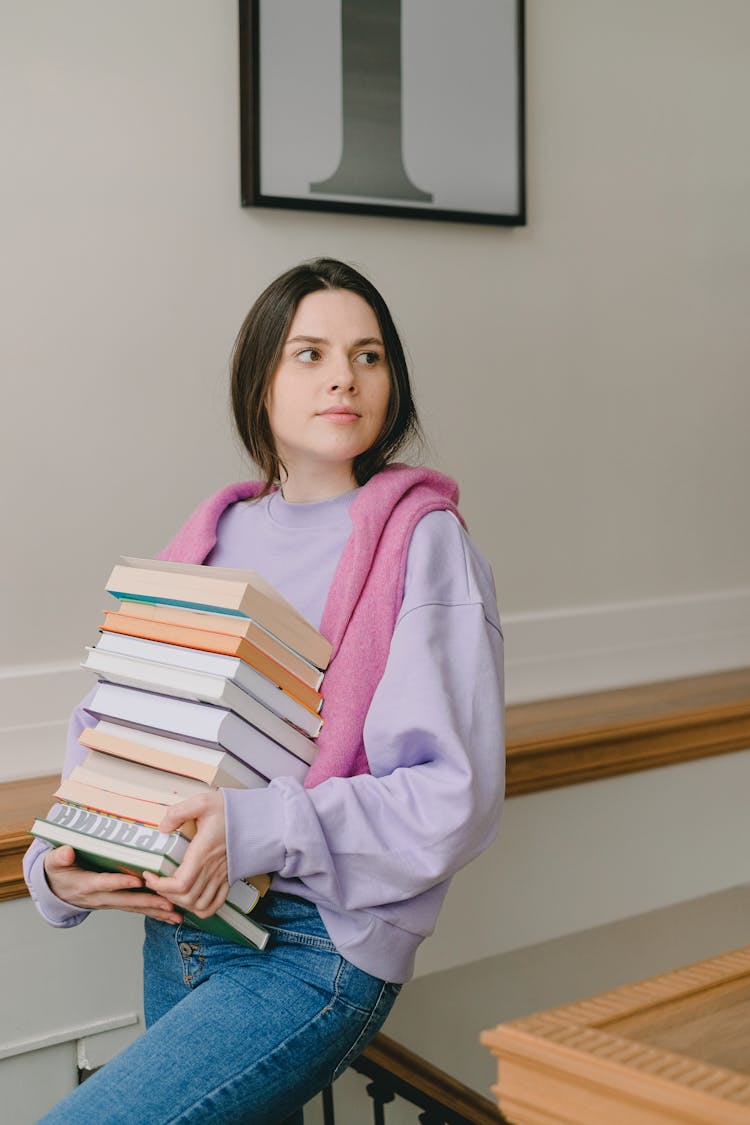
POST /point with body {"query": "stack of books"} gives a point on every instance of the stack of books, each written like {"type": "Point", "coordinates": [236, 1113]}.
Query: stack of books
{"type": "Point", "coordinates": [207, 678]}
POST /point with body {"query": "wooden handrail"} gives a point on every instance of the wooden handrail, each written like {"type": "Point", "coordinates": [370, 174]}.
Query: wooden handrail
{"type": "Point", "coordinates": [551, 743]}
{"type": "Point", "coordinates": [579, 738]}
{"type": "Point", "coordinates": [409, 1074]}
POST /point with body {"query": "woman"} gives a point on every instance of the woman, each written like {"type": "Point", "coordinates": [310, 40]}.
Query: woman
{"type": "Point", "coordinates": [407, 782]}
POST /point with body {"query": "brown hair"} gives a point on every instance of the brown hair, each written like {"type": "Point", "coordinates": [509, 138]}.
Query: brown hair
{"type": "Point", "coordinates": [257, 354]}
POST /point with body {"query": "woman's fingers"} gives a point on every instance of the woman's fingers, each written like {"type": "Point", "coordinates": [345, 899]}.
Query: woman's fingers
{"type": "Point", "coordinates": [198, 888]}
{"type": "Point", "coordinates": [200, 882]}
{"type": "Point", "coordinates": [210, 899]}
{"type": "Point", "coordinates": [198, 808]}
{"type": "Point", "coordinates": [97, 890]}
{"type": "Point", "coordinates": [78, 886]}
{"type": "Point", "coordinates": [135, 902]}
{"type": "Point", "coordinates": [59, 858]}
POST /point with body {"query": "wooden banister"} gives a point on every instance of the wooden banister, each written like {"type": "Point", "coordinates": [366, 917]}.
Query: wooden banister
{"type": "Point", "coordinates": [551, 743]}
{"type": "Point", "coordinates": [412, 1077]}
{"type": "Point", "coordinates": [577, 738]}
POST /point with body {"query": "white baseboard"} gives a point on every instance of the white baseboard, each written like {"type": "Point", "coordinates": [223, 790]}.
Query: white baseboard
{"type": "Point", "coordinates": [565, 651]}
{"type": "Point", "coordinates": [547, 653]}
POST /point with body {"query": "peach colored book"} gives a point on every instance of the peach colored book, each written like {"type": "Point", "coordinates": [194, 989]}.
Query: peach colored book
{"type": "Point", "coordinates": [117, 804]}
{"type": "Point", "coordinates": [151, 629]}
{"type": "Point", "coordinates": [239, 592]}
{"type": "Point", "coordinates": [213, 767]}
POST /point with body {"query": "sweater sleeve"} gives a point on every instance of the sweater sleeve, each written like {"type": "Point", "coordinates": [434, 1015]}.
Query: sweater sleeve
{"type": "Point", "coordinates": [53, 909]}
{"type": "Point", "coordinates": [434, 741]}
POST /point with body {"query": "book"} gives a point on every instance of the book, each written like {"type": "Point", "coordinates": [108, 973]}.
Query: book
{"type": "Point", "coordinates": [175, 718]}
{"type": "Point", "coordinates": [233, 668]}
{"type": "Point", "coordinates": [200, 723]}
{"type": "Point", "coordinates": [101, 828]}
{"type": "Point", "coordinates": [109, 854]}
{"type": "Point", "coordinates": [217, 632]}
{"type": "Point", "coordinates": [224, 589]}
{"type": "Point", "coordinates": [230, 923]}
{"type": "Point", "coordinates": [215, 768]}
{"type": "Point", "coordinates": [118, 623]}
{"type": "Point", "coordinates": [101, 836]}
{"type": "Point", "coordinates": [133, 779]}
{"type": "Point", "coordinates": [204, 687]}
{"type": "Point", "coordinates": [135, 782]}
{"type": "Point", "coordinates": [74, 791]}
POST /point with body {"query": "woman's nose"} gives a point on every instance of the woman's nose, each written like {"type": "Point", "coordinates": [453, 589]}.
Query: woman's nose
{"type": "Point", "coordinates": [342, 378]}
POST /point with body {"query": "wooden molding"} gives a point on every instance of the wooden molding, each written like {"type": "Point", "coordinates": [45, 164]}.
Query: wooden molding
{"type": "Point", "coordinates": [638, 1053]}
{"type": "Point", "coordinates": [579, 738]}
{"type": "Point", "coordinates": [20, 803]}
{"type": "Point", "coordinates": [552, 743]}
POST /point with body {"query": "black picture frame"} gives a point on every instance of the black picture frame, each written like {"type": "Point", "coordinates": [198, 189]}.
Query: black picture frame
{"type": "Point", "coordinates": [288, 102]}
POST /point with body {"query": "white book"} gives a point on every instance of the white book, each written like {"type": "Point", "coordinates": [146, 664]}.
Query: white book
{"type": "Point", "coordinates": [200, 723]}
{"type": "Point", "coordinates": [216, 664]}
{"type": "Point", "coordinates": [200, 686]}
{"type": "Point", "coordinates": [118, 775]}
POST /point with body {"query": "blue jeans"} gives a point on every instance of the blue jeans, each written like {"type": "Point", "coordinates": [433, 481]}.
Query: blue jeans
{"type": "Point", "coordinates": [235, 1035]}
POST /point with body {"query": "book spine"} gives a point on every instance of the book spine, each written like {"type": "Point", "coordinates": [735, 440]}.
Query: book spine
{"type": "Point", "coordinates": [242, 896]}
{"type": "Point", "coordinates": [120, 831]}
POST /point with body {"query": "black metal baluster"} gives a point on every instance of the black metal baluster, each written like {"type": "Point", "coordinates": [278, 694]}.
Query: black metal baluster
{"type": "Point", "coordinates": [381, 1094]}
{"type": "Point", "coordinates": [439, 1099]}
{"type": "Point", "coordinates": [328, 1118]}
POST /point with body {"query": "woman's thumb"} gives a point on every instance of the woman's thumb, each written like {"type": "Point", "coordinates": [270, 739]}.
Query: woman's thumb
{"type": "Point", "coordinates": [62, 857]}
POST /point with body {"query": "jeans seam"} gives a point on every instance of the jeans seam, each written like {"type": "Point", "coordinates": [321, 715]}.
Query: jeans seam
{"type": "Point", "coordinates": [355, 1049]}
{"type": "Point", "coordinates": [302, 939]}
{"type": "Point", "coordinates": [335, 991]}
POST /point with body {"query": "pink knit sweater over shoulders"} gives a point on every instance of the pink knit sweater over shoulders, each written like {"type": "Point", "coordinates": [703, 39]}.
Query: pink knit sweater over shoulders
{"type": "Point", "coordinates": [364, 599]}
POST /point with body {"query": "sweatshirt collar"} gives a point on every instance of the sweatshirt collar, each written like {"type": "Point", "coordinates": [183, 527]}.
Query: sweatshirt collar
{"type": "Point", "coordinates": [333, 513]}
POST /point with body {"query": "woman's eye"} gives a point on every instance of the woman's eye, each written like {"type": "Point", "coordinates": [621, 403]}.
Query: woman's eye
{"type": "Point", "coordinates": [309, 355]}
{"type": "Point", "coordinates": [369, 359]}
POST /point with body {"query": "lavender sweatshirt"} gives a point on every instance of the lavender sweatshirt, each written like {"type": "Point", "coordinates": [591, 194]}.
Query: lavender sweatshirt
{"type": "Point", "coordinates": [375, 852]}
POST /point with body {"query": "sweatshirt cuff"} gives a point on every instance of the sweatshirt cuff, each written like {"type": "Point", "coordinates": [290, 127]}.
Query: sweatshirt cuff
{"type": "Point", "coordinates": [54, 910]}
{"type": "Point", "coordinates": [254, 831]}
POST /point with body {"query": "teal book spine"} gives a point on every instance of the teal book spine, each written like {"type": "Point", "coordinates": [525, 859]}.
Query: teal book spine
{"type": "Point", "coordinates": [124, 597]}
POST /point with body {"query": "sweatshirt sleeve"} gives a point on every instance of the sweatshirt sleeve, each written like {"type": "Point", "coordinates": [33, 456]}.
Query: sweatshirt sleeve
{"type": "Point", "coordinates": [434, 740]}
{"type": "Point", "coordinates": [53, 909]}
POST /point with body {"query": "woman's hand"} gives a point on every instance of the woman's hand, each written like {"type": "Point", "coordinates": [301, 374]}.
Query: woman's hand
{"type": "Point", "coordinates": [200, 884]}
{"type": "Point", "coordinates": [94, 890]}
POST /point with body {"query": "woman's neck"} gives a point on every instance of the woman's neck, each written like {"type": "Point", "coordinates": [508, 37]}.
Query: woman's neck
{"type": "Point", "coordinates": [310, 486]}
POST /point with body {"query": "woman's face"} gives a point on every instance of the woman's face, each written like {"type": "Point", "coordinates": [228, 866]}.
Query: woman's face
{"type": "Point", "coordinates": [328, 398]}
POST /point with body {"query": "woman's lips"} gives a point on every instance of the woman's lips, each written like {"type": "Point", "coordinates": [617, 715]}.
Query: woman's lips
{"type": "Point", "coordinates": [341, 415]}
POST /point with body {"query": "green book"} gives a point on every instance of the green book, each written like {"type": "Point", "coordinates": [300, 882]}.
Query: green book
{"type": "Point", "coordinates": [109, 855]}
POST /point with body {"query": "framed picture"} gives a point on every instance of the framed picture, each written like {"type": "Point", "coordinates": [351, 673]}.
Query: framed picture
{"type": "Point", "coordinates": [411, 108]}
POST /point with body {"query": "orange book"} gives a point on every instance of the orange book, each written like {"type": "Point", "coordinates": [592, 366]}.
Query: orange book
{"type": "Point", "coordinates": [234, 626]}
{"type": "Point", "coordinates": [207, 640]}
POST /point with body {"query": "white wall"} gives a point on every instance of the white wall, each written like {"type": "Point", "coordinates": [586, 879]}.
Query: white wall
{"type": "Point", "coordinates": [571, 859]}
